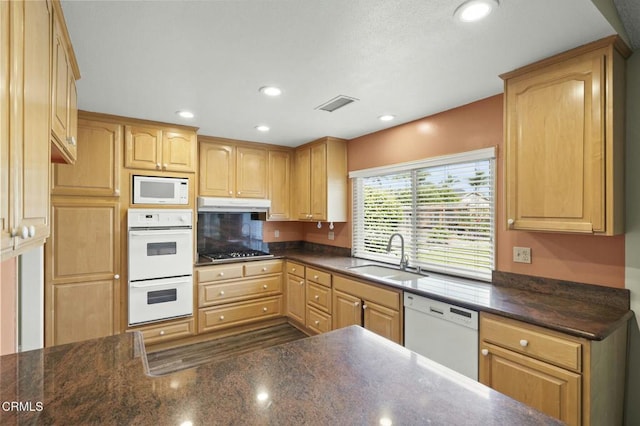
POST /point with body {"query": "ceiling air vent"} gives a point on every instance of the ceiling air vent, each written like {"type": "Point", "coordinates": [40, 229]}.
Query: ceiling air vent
{"type": "Point", "coordinates": [336, 103]}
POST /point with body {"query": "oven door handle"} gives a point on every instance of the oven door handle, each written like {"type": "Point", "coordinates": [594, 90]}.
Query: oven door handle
{"type": "Point", "coordinates": [146, 285]}
{"type": "Point", "coordinates": [155, 233]}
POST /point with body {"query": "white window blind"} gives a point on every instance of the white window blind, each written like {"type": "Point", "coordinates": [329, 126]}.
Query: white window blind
{"type": "Point", "coordinates": [443, 207]}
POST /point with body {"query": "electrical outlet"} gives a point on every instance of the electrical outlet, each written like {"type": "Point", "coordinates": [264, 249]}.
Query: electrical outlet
{"type": "Point", "coordinates": [522, 254]}
{"type": "Point", "coordinates": [276, 233]}
{"type": "Point", "coordinates": [331, 235]}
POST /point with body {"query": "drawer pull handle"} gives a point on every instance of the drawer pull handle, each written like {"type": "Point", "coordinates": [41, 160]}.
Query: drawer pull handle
{"type": "Point", "coordinates": [221, 274]}
{"type": "Point", "coordinates": [265, 286]}
{"type": "Point", "coordinates": [485, 352]}
{"type": "Point", "coordinates": [221, 292]}
{"type": "Point", "coordinates": [524, 343]}
{"type": "Point", "coordinates": [264, 269]}
{"type": "Point", "coordinates": [293, 269]}
{"type": "Point", "coordinates": [162, 332]}
{"type": "Point", "coordinates": [221, 317]}
{"type": "Point", "coordinates": [316, 297]}
{"type": "Point", "coordinates": [264, 309]}
{"type": "Point", "coordinates": [317, 322]}
{"type": "Point", "coordinates": [315, 277]}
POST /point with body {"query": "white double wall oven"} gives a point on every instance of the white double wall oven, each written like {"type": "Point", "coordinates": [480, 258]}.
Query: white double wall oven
{"type": "Point", "coordinates": [160, 264]}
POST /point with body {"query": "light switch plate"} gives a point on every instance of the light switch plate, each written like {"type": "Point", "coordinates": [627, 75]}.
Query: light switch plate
{"type": "Point", "coordinates": [522, 254]}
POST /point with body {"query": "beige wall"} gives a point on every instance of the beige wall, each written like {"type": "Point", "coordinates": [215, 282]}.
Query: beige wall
{"type": "Point", "coordinates": [8, 306]}
{"type": "Point", "coordinates": [633, 234]}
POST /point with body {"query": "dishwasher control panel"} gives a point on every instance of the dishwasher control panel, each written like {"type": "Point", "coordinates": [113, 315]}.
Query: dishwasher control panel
{"type": "Point", "coordinates": [435, 308]}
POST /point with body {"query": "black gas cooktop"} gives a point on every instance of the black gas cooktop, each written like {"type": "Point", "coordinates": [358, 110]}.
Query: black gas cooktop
{"type": "Point", "coordinates": [234, 256]}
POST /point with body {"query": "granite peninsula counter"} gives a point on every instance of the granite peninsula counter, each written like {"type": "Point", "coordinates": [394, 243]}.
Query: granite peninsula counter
{"type": "Point", "coordinates": [347, 377]}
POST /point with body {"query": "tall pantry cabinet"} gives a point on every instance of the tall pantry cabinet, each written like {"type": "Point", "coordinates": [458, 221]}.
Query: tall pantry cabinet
{"type": "Point", "coordinates": [25, 64]}
{"type": "Point", "coordinates": [82, 257]}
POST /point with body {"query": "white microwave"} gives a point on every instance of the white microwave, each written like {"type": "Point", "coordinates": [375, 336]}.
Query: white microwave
{"type": "Point", "coordinates": [160, 190]}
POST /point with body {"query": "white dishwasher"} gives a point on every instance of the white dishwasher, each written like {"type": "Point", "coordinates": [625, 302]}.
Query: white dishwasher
{"type": "Point", "coordinates": [444, 333]}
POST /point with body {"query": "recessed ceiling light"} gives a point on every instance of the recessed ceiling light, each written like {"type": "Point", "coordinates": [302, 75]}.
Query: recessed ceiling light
{"type": "Point", "coordinates": [475, 10]}
{"type": "Point", "coordinates": [262, 128]}
{"type": "Point", "coordinates": [386, 117]}
{"type": "Point", "coordinates": [185, 114]}
{"type": "Point", "coordinates": [271, 91]}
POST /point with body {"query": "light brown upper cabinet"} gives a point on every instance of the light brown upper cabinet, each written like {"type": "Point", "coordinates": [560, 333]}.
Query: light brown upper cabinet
{"type": "Point", "coordinates": [320, 189]}
{"type": "Point", "coordinates": [64, 108]}
{"type": "Point", "coordinates": [279, 185]}
{"type": "Point", "coordinates": [564, 141]}
{"type": "Point", "coordinates": [25, 48]}
{"type": "Point", "coordinates": [156, 148]}
{"type": "Point", "coordinates": [229, 169]}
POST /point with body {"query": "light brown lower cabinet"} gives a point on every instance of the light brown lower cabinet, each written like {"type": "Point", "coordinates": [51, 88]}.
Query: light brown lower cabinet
{"type": "Point", "coordinates": [295, 293]}
{"type": "Point", "coordinates": [373, 307]}
{"type": "Point", "coordinates": [578, 381]}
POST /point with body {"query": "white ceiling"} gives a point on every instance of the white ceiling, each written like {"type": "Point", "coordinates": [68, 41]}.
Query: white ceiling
{"type": "Point", "coordinates": [410, 58]}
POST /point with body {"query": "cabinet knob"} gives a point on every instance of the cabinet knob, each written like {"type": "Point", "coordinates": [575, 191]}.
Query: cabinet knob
{"type": "Point", "coordinates": [116, 192]}
{"type": "Point", "coordinates": [316, 297]}
{"type": "Point", "coordinates": [221, 317]}
{"type": "Point", "coordinates": [221, 274]}
{"type": "Point", "coordinates": [162, 332]}
{"type": "Point", "coordinates": [293, 269]}
{"type": "Point", "coordinates": [524, 343]}
{"type": "Point", "coordinates": [230, 192]}
{"type": "Point", "coordinates": [485, 352]}
{"type": "Point", "coordinates": [510, 222]}
{"type": "Point", "coordinates": [264, 269]}
{"type": "Point", "coordinates": [116, 277]}
{"type": "Point", "coordinates": [264, 309]}
{"type": "Point", "coordinates": [14, 232]}
{"type": "Point", "coordinates": [364, 306]}
{"type": "Point", "coordinates": [315, 277]}
{"type": "Point", "coordinates": [24, 233]}
{"type": "Point", "coordinates": [158, 166]}
{"type": "Point", "coordinates": [317, 322]}
{"type": "Point", "coordinates": [239, 193]}
{"type": "Point", "coordinates": [71, 140]}
{"type": "Point", "coordinates": [356, 303]}
{"type": "Point", "coordinates": [32, 231]}
{"type": "Point", "coordinates": [164, 166]}
{"type": "Point", "coordinates": [221, 292]}
{"type": "Point", "coordinates": [265, 286]}
{"type": "Point", "coordinates": [301, 282]}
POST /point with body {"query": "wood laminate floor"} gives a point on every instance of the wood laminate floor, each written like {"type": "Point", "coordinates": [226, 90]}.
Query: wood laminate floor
{"type": "Point", "coordinates": [175, 359]}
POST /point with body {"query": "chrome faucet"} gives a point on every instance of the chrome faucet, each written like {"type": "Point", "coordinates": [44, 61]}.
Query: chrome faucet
{"type": "Point", "coordinates": [404, 259]}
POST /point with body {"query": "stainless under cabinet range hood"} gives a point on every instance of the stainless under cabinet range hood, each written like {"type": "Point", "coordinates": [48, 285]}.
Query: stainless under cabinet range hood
{"type": "Point", "coordinates": [233, 205]}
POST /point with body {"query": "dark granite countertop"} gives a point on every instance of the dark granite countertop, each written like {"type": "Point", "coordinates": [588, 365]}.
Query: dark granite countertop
{"type": "Point", "coordinates": [588, 311]}
{"type": "Point", "coordinates": [345, 377]}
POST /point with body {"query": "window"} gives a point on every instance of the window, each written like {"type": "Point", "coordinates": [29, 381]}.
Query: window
{"type": "Point", "coordinates": [443, 207]}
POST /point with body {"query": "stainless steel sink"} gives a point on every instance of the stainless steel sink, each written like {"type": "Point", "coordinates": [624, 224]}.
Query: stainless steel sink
{"type": "Point", "coordinates": [385, 272]}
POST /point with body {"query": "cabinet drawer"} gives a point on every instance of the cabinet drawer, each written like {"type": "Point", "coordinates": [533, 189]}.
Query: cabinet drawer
{"type": "Point", "coordinates": [224, 292]}
{"type": "Point", "coordinates": [218, 273]}
{"type": "Point", "coordinates": [317, 321]}
{"type": "Point", "coordinates": [295, 269]}
{"type": "Point", "coordinates": [319, 297]}
{"type": "Point", "coordinates": [533, 341]}
{"type": "Point", "coordinates": [262, 268]}
{"type": "Point", "coordinates": [319, 277]}
{"type": "Point", "coordinates": [239, 313]}
{"type": "Point", "coordinates": [169, 331]}
{"type": "Point", "coordinates": [369, 292]}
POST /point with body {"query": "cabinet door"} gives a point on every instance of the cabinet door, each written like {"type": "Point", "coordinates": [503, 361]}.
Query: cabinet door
{"type": "Point", "coordinates": [319, 182]}
{"type": "Point", "coordinates": [296, 298]}
{"type": "Point", "coordinates": [347, 310]}
{"type": "Point", "coordinates": [251, 172]}
{"type": "Point", "coordinates": [555, 147]}
{"type": "Point", "coordinates": [382, 321]}
{"type": "Point", "coordinates": [217, 169]}
{"type": "Point", "coordinates": [279, 189]}
{"type": "Point", "coordinates": [178, 151]}
{"type": "Point", "coordinates": [550, 389]}
{"type": "Point", "coordinates": [82, 267]}
{"type": "Point", "coordinates": [33, 154]}
{"type": "Point", "coordinates": [97, 168]}
{"type": "Point", "coordinates": [302, 187]}
{"type": "Point", "coordinates": [143, 147]}
{"type": "Point", "coordinates": [6, 241]}
{"type": "Point", "coordinates": [72, 127]}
